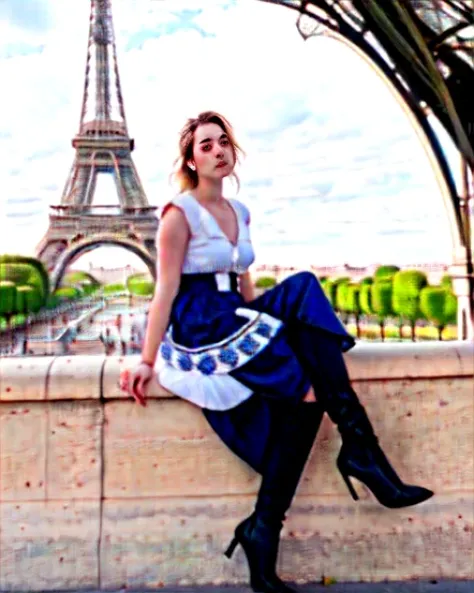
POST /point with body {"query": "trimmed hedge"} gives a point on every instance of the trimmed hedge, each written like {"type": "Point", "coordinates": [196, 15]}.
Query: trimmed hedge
{"type": "Point", "coordinates": [407, 286]}
{"type": "Point", "coordinates": [25, 270]}
{"type": "Point", "coordinates": [365, 298]}
{"type": "Point", "coordinates": [265, 282]}
{"type": "Point", "coordinates": [8, 292]}
{"type": "Point", "coordinates": [385, 273]}
{"type": "Point", "coordinates": [80, 277]}
{"type": "Point", "coordinates": [436, 303]}
{"type": "Point", "coordinates": [28, 299]}
{"type": "Point", "coordinates": [447, 281]}
{"type": "Point", "coordinates": [113, 288]}
{"type": "Point", "coordinates": [67, 293]}
{"type": "Point", "coordinates": [334, 291]}
{"type": "Point", "coordinates": [382, 299]}
{"type": "Point", "coordinates": [140, 285]}
{"type": "Point", "coordinates": [82, 280]}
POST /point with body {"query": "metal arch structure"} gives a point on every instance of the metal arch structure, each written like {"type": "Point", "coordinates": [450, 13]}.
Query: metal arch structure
{"type": "Point", "coordinates": [83, 246]}
{"type": "Point", "coordinates": [425, 51]}
{"type": "Point", "coordinates": [102, 146]}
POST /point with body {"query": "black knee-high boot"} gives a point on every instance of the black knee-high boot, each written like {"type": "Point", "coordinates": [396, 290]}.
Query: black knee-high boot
{"type": "Point", "coordinates": [360, 456]}
{"type": "Point", "coordinates": [292, 438]}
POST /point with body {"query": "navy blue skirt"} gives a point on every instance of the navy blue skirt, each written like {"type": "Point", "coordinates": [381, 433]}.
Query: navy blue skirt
{"type": "Point", "coordinates": [203, 315]}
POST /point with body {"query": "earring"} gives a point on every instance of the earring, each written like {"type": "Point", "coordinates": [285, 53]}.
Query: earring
{"type": "Point", "coordinates": [192, 167]}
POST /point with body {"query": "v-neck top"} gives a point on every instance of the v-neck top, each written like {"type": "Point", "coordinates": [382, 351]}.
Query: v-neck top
{"type": "Point", "coordinates": [209, 248]}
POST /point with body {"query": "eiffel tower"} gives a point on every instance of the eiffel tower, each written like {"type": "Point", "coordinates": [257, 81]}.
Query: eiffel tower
{"type": "Point", "coordinates": [102, 145]}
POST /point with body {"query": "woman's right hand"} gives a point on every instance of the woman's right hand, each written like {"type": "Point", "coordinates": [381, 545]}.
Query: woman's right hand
{"type": "Point", "coordinates": [135, 382]}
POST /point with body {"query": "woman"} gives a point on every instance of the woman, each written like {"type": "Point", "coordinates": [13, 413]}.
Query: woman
{"type": "Point", "coordinates": [263, 370]}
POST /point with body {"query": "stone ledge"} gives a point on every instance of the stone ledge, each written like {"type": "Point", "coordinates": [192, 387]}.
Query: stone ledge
{"type": "Point", "coordinates": [96, 491]}
{"type": "Point", "coordinates": [89, 377]}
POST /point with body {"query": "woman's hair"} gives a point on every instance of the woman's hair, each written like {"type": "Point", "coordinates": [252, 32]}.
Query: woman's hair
{"type": "Point", "coordinates": [185, 177]}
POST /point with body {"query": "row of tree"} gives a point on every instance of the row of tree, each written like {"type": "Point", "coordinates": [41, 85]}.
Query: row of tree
{"type": "Point", "coordinates": [25, 289]}
{"type": "Point", "coordinates": [392, 293]}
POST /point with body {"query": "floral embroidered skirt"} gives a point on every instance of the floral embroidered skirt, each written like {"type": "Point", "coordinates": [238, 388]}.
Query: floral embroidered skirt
{"type": "Point", "coordinates": [233, 359]}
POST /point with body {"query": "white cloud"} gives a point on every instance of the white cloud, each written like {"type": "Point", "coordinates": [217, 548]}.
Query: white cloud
{"type": "Point", "coordinates": [331, 157]}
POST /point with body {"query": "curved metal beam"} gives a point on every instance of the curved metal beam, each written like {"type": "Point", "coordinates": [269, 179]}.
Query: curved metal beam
{"type": "Point", "coordinates": [436, 155]}
{"type": "Point", "coordinates": [460, 224]}
{"type": "Point", "coordinates": [74, 251]}
{"type": "Point", "coordinates": [428, 138]}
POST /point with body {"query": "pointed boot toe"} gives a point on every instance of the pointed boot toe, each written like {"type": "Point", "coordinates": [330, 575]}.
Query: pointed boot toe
{"type": "Point", "coordinates": [407, 496]}
{"type": "Point", "coordinates": [417, 494]}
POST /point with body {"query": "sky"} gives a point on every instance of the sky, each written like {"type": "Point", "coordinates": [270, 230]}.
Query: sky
{"type": "Point", "coordinates": [334, 171]}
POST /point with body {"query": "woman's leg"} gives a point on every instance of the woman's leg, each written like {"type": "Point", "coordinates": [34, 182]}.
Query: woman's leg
{"type": "Point", "coordinates": [360, 455]}
{"type": "Point", "coordinates": [294, 430]}
{"type": "Point", "coordinates": [300, 298]}
{"type": "Point", "coordinates": [318, 338]}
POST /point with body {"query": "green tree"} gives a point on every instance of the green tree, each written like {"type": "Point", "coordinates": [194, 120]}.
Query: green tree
{"type": "Point", "coordinates": [365, 299]}
{"type": "Point", "coordinates": [86, 282]}
{"type": "Point", "coordinates": [23, 270]}
{"type": "Point", "coordinates": [265, 282]}
{"type": "Point", "coordinates": [28, 300]}
{"type": "Point", "coordinates": [385, 273]}
{"type": "Point", "coordinates": [141, 287]}
{"type": "Point", "coordinates": [407, 286]}
{"type": "Point", "coordinates": [451, 308]}
{"type": "Point", "coordinates": [330, 287]}
{"type": "Point", "coordinates": [381, 301]}
{"type": "Point", "coordinates": [353, 303]}
{"type": "Point", "coordinates": [113, 288]}
{"type": "Point", "coordinates": [447, 281]}
{"type": "Point", "coordinates": [52, 302]}
{"type": "Point", "coordinates": [67, 293]}
{"type": "Point", "coordinates": [8, 300]}
{"type": "Point", "coordinates": [433, 304]}
{"type": "Point", "coordinates": [341, 296]}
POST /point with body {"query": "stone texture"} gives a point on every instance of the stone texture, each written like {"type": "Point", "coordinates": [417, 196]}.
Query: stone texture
{"type": "Point", "coordinates": [24, 378]}
{"type": "Point", "coordinates": [49, 545]}
{"type": "Point", "coordinates": [426, 427]}
{"type": "Point", "coordinates": [165, 449]}
{"type": "Point", "coordinates": [151, 543]}
{"type": "Point", "coordinates": [174, 493]}
{"type": "Point", "coordinates": [367, 542]}
{"type": "Point", "coordinates": [74, 450]}
{"type": "Point", "coordinates": [76, 377]}
{"type": "Point", "coordinates": [396, 360]}
{"type": "Point", "coordinates": [23, 435]}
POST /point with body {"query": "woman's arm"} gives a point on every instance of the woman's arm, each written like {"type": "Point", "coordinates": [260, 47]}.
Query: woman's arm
{"type": "Point", "coordinates": [246, 287]}
{"type": "Point", "coordinates": [172, 243]}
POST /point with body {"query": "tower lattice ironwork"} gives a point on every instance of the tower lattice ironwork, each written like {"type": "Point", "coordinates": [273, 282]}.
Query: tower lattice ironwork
{"type": "Point", "coordinates": [103, 146]}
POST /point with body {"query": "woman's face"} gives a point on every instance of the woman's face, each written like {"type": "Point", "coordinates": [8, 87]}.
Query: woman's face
{"type": "Point", "coordinates": [213, 156]}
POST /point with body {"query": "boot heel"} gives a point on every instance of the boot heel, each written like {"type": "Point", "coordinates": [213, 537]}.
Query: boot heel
{"type": "Point", "coordinates": [230, 550]}
{"type": "Point", "coordinates": [349, 485]}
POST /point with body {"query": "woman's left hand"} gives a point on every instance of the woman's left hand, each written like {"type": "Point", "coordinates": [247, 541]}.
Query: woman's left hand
{"type": "Point", "coordinates": [134, 383]}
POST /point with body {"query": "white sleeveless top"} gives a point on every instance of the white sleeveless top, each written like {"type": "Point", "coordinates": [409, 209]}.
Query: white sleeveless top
{"type": "Point", "coordinates": [210, 251]}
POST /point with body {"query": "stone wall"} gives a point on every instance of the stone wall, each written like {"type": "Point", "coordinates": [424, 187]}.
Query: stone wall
{"type": "Point", "coordinates": [99, 493]}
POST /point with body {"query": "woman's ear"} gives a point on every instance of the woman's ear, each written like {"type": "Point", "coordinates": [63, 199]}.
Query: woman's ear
{"type": "Point", "coordinates": [192, 166]}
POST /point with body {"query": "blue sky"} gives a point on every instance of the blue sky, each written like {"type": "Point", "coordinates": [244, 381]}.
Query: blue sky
{"type": "Point", "coordinates": [334, 171]}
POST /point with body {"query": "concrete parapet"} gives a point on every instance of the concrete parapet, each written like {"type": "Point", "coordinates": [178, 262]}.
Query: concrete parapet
{"type": "Point", "coordinates": [99, 493]}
